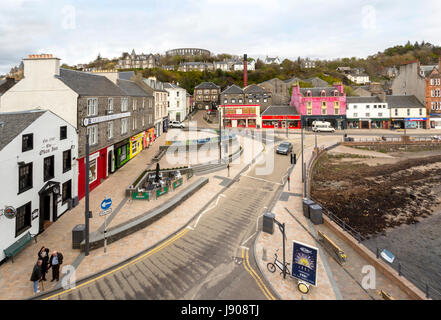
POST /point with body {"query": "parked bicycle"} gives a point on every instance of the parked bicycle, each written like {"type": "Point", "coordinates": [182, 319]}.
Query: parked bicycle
{"type": "Point", "coordinates": [272, 265]}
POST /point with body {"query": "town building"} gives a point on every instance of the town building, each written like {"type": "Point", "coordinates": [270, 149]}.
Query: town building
{"type": "Point", "coordinates": [38, 152]}
{"type": "Point", "coordinates": [323, 104]}
{"type": "Point", "coordinates": [240, 116]}
{"type": "Point", "coordinates": [188, 52]}
{"type": "Point", "coordinates": [281, 117]}
{"type": "Point", "coordinates": [269, 60]}
{"type": "Point", "coordinates": [195, 66]}
{"type": "Point", "coordinates": [279, 91]}
{"type": "Point", "coordinates": [223, 65]}
{"type": "Point", "coordinates": [252, 94]}
{"type": "Point", "coordinates": [176, 102]}
{"type": "Point", "coordinates": [90, 102]}
{"type": "Point", "coordinates": [358, 78]}
{"type": "Point", "coordinates": [367, 112]}
{"type": "Point", "coordinates": [433, 96]}
{"type": "Point", "coordinates": [372, 89]}
{"type": "Point", "coordinates": [206, 96]}
{"type": "Point", "coordinates": [156, 88]}
{"type": "Point", "coordinates": [307, 64]}
{"type": "Point", "coordinates": [142, 61]}
{"type": "Point", "coordinates": [407, 112]}
{"type": "Point", "coordinates": [238, 65]}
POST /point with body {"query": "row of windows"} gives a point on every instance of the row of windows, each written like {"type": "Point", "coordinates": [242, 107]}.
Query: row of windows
{"type": "Point", "coordinates": [435, 82]}
{"type": "Point", "coordinates": [436, 105]}
{"type": "Point", "coordinates": [25, 172]}
{"type": "Point", "coordinates": [380, 106]}
{"type": "Point", "coordinates": [207, 91]}
{"type": "Point", "coordinates": [323, 93]}
{"type": "Point", "coordinates": [92, 105]}
{"type": "Point", "coordinates": [324, 111]}
{"type": "Point", "coordinates": [436, 93]}
{"type": "Point", "coordinates": [408, 112]}
{"type": "Point", "coordinates": [368, 114]}
{"type": "Point", "coordinates": [206, 98]}
{"type": "Point", "coordinates": [241, 100]}
{"type": "Point", "coordinates": [27, 140]}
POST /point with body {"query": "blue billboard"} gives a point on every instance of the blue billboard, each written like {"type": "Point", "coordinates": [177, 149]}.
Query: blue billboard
{"type": "Point", "coordinates": [304, 263]}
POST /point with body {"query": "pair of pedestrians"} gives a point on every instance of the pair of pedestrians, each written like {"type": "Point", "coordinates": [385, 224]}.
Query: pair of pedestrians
{"type": "Point", "coordinates": [44, 263]}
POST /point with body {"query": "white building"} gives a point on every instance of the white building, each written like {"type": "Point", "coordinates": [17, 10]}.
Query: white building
{"type": "Point", "coordinates": [238, 65]}
{"type": "Point", "coordinates": [269, 60]}
{"type": "Point", "coordinates": [407, 112]}
{"type": "Point", "coordinates": [367, 112]}
{"type": "Point", "coordinates": [38, 172]}
{"type": "Point", "coordinates": [176, 102]}
{"type": "Point", "coordinates": [358, 78]}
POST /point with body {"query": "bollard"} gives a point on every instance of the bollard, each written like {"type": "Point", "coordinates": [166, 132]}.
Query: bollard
{"type": "Point", "coordinates": [399, 269]}
{"type": "Point", "coordinates": [264, 258]}
{"type": "Point", "coordinates": [378, 253]}
{"type": "Point", "coordinates": [359, 237]}
{"type": "Point", "coordinates": [427, 290]}
{"type": "Point", "coordinates": [344, 226]}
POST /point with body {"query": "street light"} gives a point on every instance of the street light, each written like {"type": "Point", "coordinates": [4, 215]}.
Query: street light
{"type": "Point", "coordinates": [282, 230]}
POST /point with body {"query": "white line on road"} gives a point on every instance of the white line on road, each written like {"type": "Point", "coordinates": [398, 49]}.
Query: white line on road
{"type": "Point", "coordinates": [248, 238]}
{"type": "Point", "coordinates": [208, 209]}
{"type": "Point", "coordinates": [246, 248]}
{"type": "Point", "coordinates": [245, 175]}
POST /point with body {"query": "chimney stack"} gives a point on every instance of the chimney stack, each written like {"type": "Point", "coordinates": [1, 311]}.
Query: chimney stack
{"type": "Point", "coordinates": [41, 66]}
{"type": "Point", "coordinates": [245, 71]}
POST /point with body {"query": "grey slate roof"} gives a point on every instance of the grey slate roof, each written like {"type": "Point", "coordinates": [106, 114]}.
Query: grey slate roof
{"type": "Point", "coordinates": [14, 123]}
{"type": "Point", "coordinates": [126, 75]}
{"type": "Point", "coordinates": [252, 88]}
{"type": "Point", "coordinates": [317, 92]}
{"type": "Point", "coordinates": [168, 85]}
{"type": "Point", "coordinates": [404, 102]}
{"type": "Point", "coordinates": [374, 99]}
{"type": "Point", "coordinates": [88, 84]}
{"type": "Point", "coordinates": [233, 89]}
{"type": "Point", "coordinates": [130, 88]}
{"type": "Point", "coordinates": [207, 85]}
{"type": "Point", "coordinates": [280, 111]}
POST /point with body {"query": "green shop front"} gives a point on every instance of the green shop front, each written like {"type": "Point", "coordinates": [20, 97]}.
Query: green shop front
{"type": "Point", "coordinates": [122, 153]}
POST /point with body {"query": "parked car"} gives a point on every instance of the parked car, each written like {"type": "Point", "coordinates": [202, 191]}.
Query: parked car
{"type": "Point", "coordinates": [322, 126]}
{"type": "Point", "coordinates": [284, 148]}
{"type": "Point", "coordinates": [176, 124]}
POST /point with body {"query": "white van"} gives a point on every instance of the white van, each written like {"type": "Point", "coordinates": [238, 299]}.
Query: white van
{"type": "Point", "coordinates": [322, 126]}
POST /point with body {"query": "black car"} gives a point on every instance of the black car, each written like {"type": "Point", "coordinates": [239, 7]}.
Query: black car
{"type": "Point", "coordinates": [284, 148]}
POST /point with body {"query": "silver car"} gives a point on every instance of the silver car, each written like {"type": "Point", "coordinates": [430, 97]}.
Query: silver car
{"type": "Point", "coordinates": [284, 148]}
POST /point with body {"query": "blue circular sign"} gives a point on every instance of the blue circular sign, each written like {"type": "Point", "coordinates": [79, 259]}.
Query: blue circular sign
{"type": "Point", "coordinates": [106, 204]}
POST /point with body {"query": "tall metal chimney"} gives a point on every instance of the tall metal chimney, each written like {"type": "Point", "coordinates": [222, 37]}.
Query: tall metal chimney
{"type": "Point", "coordinates": [245, 71]}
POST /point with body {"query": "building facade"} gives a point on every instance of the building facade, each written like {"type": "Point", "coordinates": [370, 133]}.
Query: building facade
{"type": "Point", "coordinates": [156, 88]}
{"type": "Point", "coordinates": [367, 112]}
{"type": "Point", "coordinates": [196, 66]}
{"type": "Point", "coordinates": [176, 102]}
{"type": "Point", "coordinates": [206, 96]}
{"type": "Point", "coordinates": [188, 52]}
{"type": "Point", "coordinates": [407, 112]}
{"type": "Point", "coordinates": [281, 117]}
{"type": "Point", "coordinates": [279, 91]}
{"type": "Point", "coordinates": [37, 156]}
{"type": "Point", "coordinates": [323, 104]}
{"type": "Point", "coordinates": [134, 60]}
{"type": "Point", "coordinates": [240, 116]}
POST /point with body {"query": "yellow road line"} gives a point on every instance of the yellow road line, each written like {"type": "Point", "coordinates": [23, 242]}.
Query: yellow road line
{"type": "Point", "coordinates": [253, 274]}
{"type": "Point", "coordinates": [155, 250]}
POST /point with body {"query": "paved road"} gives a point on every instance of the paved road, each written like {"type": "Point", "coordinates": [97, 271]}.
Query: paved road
{"type": "Point", "coordinates": [213, 259]}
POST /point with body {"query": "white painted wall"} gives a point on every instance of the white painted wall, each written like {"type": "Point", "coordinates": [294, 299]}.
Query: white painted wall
{"type": "Point", "coordinates": [45, 127]}
{"type": "Point", "coordinates": [360, 110]}
{"type": "Point", "coordinates": [41, 89]}
{"type": "Point", "coordinates": [173, 99]}
{"type": "Point", "coordinates": [413, 113]}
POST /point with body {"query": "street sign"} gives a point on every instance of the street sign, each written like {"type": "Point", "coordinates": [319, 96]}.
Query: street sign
{"type": "Point", "coordinates": [304, 263]}
{"type": "Point", "coordinates": [106, 212]}
{"type": "Point", "coordinates": [106, 203]}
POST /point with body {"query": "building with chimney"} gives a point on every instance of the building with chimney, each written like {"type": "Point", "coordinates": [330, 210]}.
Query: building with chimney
{"type": "Point", "coordinates": [206, 96]}
{"type": "Point", "coordinates": [139, 61]}
{"type": "Point", "coordinates": [322, 104]}
{"type": "Point", "coordinates": [99, 105]}
{"type": "Point", "coordinates": [38, 152]}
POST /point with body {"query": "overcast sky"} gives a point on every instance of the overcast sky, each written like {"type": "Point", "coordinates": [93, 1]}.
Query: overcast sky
{"type": "Point", "coordinates": [76, 31]}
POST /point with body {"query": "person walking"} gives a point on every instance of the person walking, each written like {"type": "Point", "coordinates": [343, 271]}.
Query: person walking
{"type": "Point", "coordinates": [36, 275]}
{"type": "Point", "coordinates": [43, 255]}
{"type": "Point", "coordinates": [55, 262]}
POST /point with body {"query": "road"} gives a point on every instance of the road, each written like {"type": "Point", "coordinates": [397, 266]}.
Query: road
{"type": "Point", "coordinates": [210, 259]}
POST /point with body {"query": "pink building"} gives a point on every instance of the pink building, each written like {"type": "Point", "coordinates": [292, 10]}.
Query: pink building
{"type": "Point", "coordinates": [322, 104]}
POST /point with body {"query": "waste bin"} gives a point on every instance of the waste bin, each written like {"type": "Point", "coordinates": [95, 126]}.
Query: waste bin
{"type": "Point", "coordinates": [306, 204]}
{"type": "Point", "coordinates": [78, 235]}
{"type": "Point", "coordinates": [316, 214]}
{"type": "Point", "coordinates": [268, 222]}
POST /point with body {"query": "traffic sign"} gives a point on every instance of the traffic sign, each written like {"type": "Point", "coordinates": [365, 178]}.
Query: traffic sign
{"type": "Point", "coordinates": [106, 203]}
{"type": "Point", "coordinates": [106, 212]}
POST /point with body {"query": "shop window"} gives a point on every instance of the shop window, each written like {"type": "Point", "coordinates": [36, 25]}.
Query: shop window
{"type": "Point", "coordinates": [93, 172]}
{"type": "Point", "coordinates": [67, 161]}
{"type": "Point", "coordinates": [23, 219]}
{"type": "Point", "coordinates": [48, 168]}
{"type": "Point", "coordinates": [66, 191]}
{"type": "Point", "coordinates": [27, 142]}
{"type": "Point", "coordinates": [63, 132]}
{"type": "Point", "coordinates": [24, 177]}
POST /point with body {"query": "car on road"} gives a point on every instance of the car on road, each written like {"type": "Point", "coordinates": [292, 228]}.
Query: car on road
{"type": "Point", "coordinates": [284, 148]}
{"type": "Point", "coordinates": [176, 124]}
{"type": "Point", "coordinates": [322, 126]}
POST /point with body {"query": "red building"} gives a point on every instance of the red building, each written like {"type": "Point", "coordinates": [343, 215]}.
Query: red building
{"type": "Point", "coordinates": [241, 116]}
{"type": "Point", "coordinates": [281, 117]}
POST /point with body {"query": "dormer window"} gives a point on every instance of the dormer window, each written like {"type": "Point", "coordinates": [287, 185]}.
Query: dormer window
{"type": "Point", "coordinates": [323, 93]}
{"type": "Point", "coordinates": [335, 93]}
{"type": "Point", "coordinates": [308, 94]}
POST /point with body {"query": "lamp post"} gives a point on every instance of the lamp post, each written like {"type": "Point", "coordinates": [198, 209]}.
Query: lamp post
{"type": "Point", "coordinates": [303, 173]}
{"type": "Point", "coordinates": [282, 230]}
{"type": "Point", "coordinates": [87, 213]}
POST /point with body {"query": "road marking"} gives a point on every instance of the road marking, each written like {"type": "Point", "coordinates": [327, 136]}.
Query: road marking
{"type": "Point", "coordinates": [208, 209]}
{"type": "Point", "coordinates": [246, 248]}
{"type": "Point", "coordinates": [253, 274]}
{"type": "Point", "coordinates": [248, 239]}
{"type": "Point", "coordinates": [251, 177]}
{"type": "Point", "coordinates": [149, 253]}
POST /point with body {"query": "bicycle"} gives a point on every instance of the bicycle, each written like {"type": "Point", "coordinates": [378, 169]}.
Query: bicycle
{"type": "Point", "coordinates": [272, 265]}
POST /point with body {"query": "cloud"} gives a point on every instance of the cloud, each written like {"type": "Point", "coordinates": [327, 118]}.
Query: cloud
{"type": "Point", "coordinates": [314, 28]}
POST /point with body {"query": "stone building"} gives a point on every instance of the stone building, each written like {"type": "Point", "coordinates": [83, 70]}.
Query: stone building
{"type": "Point", "coordinates": [279, 91]}
{"type": "Point", "coordinates": [187, 52]}
{"type": "Point", "coordinates": [206, 96]}
{"type": "Point", "coordinates": [134, 60]}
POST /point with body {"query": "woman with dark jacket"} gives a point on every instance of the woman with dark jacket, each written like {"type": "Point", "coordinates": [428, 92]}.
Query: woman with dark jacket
{"type": "Point", "coordinates": [43, 255]}
{"type": "Point", "coordinates": [36, 275]}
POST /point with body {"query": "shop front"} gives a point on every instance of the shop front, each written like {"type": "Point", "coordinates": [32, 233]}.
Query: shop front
{"type": "Point", "coordinates": [281, 122]}
{"type": "Point", "coordinates": [149, 137]}
{"type": "Point", "coordinates": [241, 116]}
{"type": "Point", "coordinates": [122, 153]}
{"type": "Point", "coordinates": [415, 123]}
{"type": "Point", "coordinates": [97, 172]}
{"type": "Point", "coordinates": [165, 124]}
{"type": "Point", "coordinates": [435, 121]}
{"type": "Point", "coordinates": [136, 144]}
{"type": "Point", "coordinates": [338, 122]}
